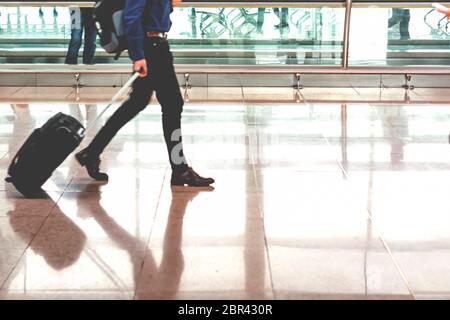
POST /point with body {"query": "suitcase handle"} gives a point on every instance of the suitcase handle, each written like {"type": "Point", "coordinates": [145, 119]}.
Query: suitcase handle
{"type": "Point", "coordinates": [113, 100]}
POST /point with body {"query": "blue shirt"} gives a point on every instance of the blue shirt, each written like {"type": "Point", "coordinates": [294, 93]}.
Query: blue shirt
{"type": "Point", "coordinates": [141, 16]}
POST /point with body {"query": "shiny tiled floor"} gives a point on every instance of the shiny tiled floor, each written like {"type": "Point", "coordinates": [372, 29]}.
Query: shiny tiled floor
{"type": "Point", "coordinates": [320, 200]}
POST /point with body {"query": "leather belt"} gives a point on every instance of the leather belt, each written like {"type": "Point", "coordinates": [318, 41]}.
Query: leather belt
{"type": "Point", "coordinates": [152, 34]}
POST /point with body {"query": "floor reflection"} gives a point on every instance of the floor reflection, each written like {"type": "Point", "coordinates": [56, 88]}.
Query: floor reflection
{"type": "Point", "coordinates": [394, 121]}
{"type": "Point", "coordinates": [155, 281]}
{"type": "Point", "coordinates": [304, 192]}
{"type": "Point", "coordinates": [56, 253]}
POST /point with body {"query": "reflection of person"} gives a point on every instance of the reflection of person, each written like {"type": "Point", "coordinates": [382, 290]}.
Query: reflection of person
{"type": "Point", "coordinates": [63, 242]}
{"type": "Point", "coordinates": [23, 125]}
{"type": "Point", "coordinates": [89, 119]}
{"type": "Point", "coordinates": [82, 19]}
{"type": "Point", "coordinates": [396, 129]}
{"type": "Point", "coordinates": [91, 113]}
{"type": "Point", "coordinates": [152, 279]}
{"type": "Point", "coordinates": [401, 17]}
{"type": "Point", "coordinates": [146, 30]}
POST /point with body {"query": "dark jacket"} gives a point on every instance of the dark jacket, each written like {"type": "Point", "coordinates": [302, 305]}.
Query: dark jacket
{"type": "Point", "coordinates": [141, 16]}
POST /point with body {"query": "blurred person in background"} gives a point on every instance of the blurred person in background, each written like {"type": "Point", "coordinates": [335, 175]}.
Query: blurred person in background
{"type": "Point", "coordinates": [283, 16]}
{"type": "Point", "coordinates": [401, 17]}
{"type": "Point", "coordinates": [82, 19]}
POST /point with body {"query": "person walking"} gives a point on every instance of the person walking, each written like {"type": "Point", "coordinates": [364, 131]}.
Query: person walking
{"type": "Point", "coordinates": [146, 24]}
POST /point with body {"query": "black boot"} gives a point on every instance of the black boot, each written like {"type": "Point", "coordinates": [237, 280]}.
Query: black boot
{"type": "Point", "coordinates": [92, 165]}
{"type": "Point", "coordinates": [190, 178]}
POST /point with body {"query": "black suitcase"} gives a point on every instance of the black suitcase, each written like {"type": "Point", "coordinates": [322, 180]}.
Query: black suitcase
{"type": "Point", "coordinates": [47, 147]}
{"type": "Point", "coordinates": [44, 150]}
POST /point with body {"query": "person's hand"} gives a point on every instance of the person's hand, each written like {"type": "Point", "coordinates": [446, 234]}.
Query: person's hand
{"type": "Point", "coordinates": [176, 3]}
{"type": "Point", "coordinates": [141, 67]}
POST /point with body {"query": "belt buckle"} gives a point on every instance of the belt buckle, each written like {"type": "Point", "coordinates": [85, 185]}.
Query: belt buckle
{"type": "Point", "coordinates": [162, 35]}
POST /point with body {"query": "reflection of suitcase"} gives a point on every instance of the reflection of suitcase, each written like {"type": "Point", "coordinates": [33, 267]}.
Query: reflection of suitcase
{"type": "Point", "coordinates": [44, 150]}
{"type": "Point", "coordinates": [47, 147]}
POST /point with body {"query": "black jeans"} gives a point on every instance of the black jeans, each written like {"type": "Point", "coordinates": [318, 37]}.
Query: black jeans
{"type": "Point", "coordinates": [162, 79]}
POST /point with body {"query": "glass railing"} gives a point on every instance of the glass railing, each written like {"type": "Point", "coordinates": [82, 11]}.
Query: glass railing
{"type": "Point", "coordinates": [297, 33]}
{"type": "Point", "coordinates": [400, 35]}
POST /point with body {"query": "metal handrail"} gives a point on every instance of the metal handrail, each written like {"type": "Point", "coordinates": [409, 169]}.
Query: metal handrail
{"type": "Point", "coordinates": [345, 40]}
{"type": "Point", "coordinates": [219, 69]}
{"type": "Point", "coordinates": [207, 4]}
{"type": "Point", "coordinates": [269, 4]}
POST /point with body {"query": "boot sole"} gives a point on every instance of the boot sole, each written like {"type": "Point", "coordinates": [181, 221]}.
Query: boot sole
{"type": "Point", "coordinates": [182, 184]}
{"type": "Point", "coordinates": [191, 189]}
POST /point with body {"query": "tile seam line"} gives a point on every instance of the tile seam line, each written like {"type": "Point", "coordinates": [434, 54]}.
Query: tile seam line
{"type": "Point", "coordinates": [71, 92]}
{"type": "Point", "coordinates": [394, 260]}
{"type": "Point", "coordinates": [379, 233]}
{"type": "Point", "coordinates": [32, 239]}
{"type": "Point", "coordinates": [261, 214]}
{"type": "Point", "coordinates": [147, 243]}
{"type": "Point", "coordinates": [261, 217]}
{"type": "Point", "coordinates": [18, 89]}
{"type": "Point", "coordinates": [9, 98]}
{"type": "Point", "coordinates": [37, 231]}
{"type": "Point", "coordinates": [381, 237]}
{"type": "Point", "coordinates": [369, 215]}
